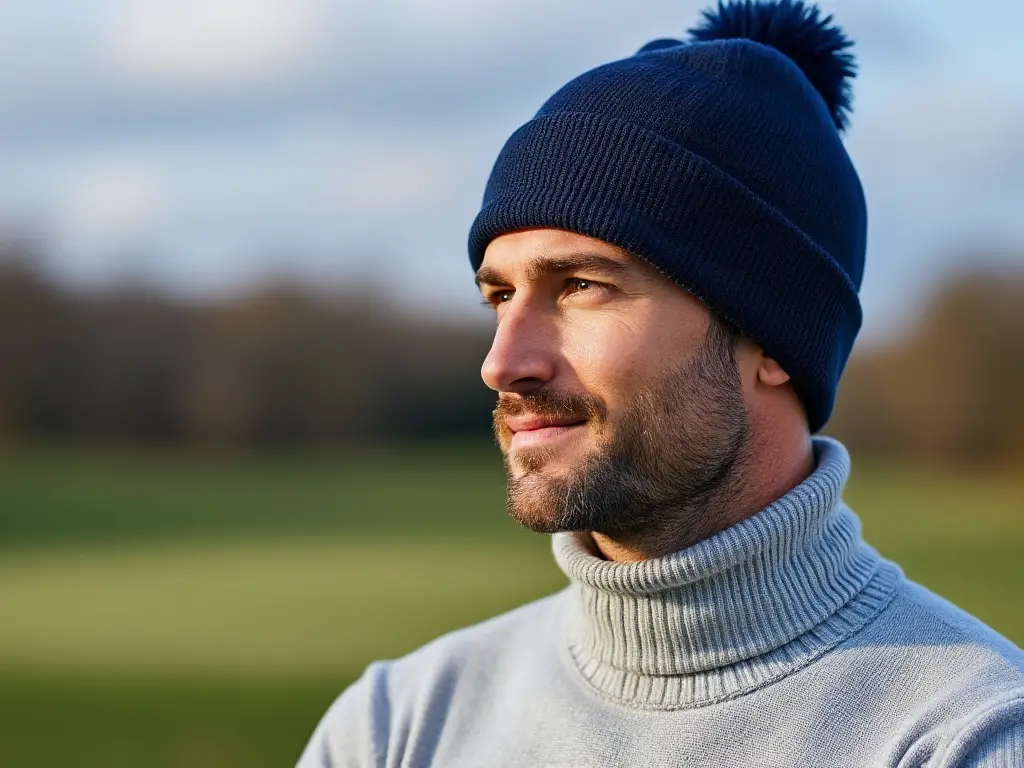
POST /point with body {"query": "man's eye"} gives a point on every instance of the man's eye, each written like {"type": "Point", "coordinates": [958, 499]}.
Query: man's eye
{"type": "Point", "coordinates": [579, 284]}
{"type": "Point", "coordinates": [498, 297]}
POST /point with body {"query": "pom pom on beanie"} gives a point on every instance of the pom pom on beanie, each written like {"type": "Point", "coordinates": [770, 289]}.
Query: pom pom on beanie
{"type": "Point", "coordinates": [820, 49]}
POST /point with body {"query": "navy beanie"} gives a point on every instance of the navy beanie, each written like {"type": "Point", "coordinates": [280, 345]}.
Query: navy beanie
{"type": "Point", "coordinates": [719, 161]}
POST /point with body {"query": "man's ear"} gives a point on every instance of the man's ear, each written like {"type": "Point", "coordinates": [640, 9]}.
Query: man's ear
{"type": "Point", "coordinates": [771, 373]}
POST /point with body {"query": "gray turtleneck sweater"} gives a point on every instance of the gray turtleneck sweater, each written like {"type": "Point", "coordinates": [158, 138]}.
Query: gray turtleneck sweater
{"type": "Point", "coordinates": [784, 640]}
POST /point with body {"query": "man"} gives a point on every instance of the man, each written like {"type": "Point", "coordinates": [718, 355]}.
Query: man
{"type": "Point", "coordinates": [673, 248]}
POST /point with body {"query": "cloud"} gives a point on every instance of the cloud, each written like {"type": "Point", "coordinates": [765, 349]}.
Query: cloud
{"type": "Point", "coordinates": [196, 44]}
{"type": "Point", "coordinates": [150, 64]}
{"type": "Point", "coordinates": [113, 198]}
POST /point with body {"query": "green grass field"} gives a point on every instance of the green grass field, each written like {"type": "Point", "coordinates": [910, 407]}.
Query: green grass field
{"type": "Point", "coordinates": [168, 610]}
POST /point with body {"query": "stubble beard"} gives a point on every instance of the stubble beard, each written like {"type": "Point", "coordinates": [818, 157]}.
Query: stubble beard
{"type": "Point", "coordinates": [654, 473]}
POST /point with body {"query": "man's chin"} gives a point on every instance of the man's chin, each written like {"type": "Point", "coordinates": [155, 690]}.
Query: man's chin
{"type": "Point", "coordinates": [552, 464]}
{"type": "Point", "coordinates": [538, 524]}
{"type": "Point", "coordinates": [536, 499]}
{"type": "Point", "coordinates": [544, 485]}
{"type": "Point", "coordinates": [537, 520]}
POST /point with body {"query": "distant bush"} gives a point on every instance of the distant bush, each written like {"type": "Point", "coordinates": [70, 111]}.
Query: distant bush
{"type": "Point", "coordinates": [952, 390]}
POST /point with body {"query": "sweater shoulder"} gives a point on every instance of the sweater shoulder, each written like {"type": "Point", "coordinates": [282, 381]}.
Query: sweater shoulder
{"type": "Point", "coordinates": [487, 642]}
{"type": "Point", "coordinates": [944, 683]}
{"type": "Point", "coordinates": [464, 670]}
{"type": "Point", "coordinates": [404, 704]}
{"type": "Point", "coordinates": [930, 618]}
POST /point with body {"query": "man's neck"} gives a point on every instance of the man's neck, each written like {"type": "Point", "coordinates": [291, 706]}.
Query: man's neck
{"type": "Point", "coordinates": [766, 472]}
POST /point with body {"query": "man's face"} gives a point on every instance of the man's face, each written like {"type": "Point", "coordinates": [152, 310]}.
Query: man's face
{"type": "Point", "coordinates": [620, 408]}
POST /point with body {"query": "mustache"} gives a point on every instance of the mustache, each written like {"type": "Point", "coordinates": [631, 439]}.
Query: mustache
{"type": "Point", "coordinates": [549, 403]}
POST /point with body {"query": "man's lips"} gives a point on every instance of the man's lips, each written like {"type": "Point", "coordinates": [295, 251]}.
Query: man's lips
{"type": "Point", "coordinates": [540, 432]}
{"type": "Point", "coordinates": [534, 423]}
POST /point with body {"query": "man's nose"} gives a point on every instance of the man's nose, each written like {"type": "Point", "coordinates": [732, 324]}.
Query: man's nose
{"type": "Point", "coordinates": [522, 356]}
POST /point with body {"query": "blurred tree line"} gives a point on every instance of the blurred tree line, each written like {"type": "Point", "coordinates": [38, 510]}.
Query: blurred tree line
{"type": "Point", "coordinates": [284, 365]}
{"type": "Point", "coordinates": [278, 366]}
{"type": "Point", "coordinates": [952, 390]}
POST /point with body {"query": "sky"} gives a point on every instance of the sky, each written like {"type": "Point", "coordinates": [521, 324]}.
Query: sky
{"type": "Point", "coordinates": [203, 147]}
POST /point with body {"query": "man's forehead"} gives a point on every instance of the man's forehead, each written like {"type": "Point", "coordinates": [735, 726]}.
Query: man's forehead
{"type": "Point", "coordinates": [531, 253]}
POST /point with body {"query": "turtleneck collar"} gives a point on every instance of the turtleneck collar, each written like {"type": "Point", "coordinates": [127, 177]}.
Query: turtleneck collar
{"type": "Point", "coordinates": [746, 606]}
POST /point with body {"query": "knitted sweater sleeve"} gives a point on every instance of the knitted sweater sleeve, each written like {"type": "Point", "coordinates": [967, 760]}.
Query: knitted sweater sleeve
{"type": "Point", "coordinates": [992, 737]}
{"type": "Point", "coordinates": [353, 732]}
{"type": "Point", "coordinates": [1001, 750]}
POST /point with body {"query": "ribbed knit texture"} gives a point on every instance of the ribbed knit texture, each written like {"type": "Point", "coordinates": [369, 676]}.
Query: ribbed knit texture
{"type": "Point", "coordinates": [720, 164]}
{"type": "Point", "coordinates": [733, 612]}
{"type": "Point", "coordinates": [782, 641]}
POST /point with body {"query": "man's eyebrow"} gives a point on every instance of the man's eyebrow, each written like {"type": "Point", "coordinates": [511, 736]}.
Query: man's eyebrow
{"type": "Point", "coordinates": [489, 276]}
{"type": "Point", "coordinates": [545, 265]}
